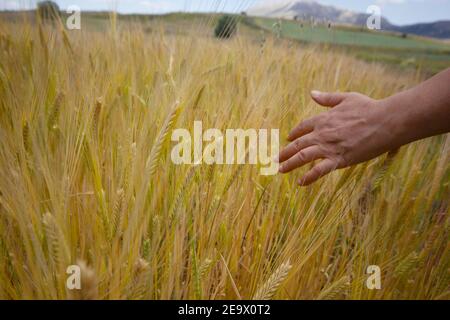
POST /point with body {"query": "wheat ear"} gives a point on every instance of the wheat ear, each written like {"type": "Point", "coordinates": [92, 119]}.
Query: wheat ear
{"type": "Point", "coordinates": [270, 287]}
{"type": "Point", "coordinates": [26, 136]}
{"type": "Point", "coordinates": [205, 266]}
{"type": "Point", "coordinates": [59, 252]}
{"type": "Point", "coordinates": [54, 115]}
{"type": "Point", "coordinates": [181, 191]}
{"type": "Point", "coordinates": [141, 279]}
{"type": "Point", "coordinates": [153, 159]}
{"type": "Point", "coordinates": [406, 265]}
{"type": "Point", "coordinates": [96, 117]}
{"type": "Point", "coordinates": [336, 289]}
{"type": "Point", "coordinates": [118, 211]}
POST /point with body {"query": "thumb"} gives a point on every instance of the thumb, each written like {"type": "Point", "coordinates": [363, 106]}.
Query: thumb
{"type": "Point", "coordinates": [328, 99]}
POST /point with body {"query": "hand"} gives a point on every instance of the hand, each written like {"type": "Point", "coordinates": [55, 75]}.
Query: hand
{"type": "Point", "coordinates": [355, 130]}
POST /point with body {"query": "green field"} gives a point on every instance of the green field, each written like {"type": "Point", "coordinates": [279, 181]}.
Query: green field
{"type": "Point", "coordinates": [350, 36]}
{"type": "Point", "coordinates": [402, 51]}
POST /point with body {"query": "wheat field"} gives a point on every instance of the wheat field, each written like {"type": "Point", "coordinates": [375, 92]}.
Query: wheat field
{"type": "Point", "coordinates": [87, 178]}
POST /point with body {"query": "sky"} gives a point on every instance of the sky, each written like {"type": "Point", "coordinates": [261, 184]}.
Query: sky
{"type": "Point", "coordinates": [399, 12]}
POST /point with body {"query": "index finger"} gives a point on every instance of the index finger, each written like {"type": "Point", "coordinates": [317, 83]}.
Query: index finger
{"type": "Point", "coordinates": [303, 128]}
{"type": "Point", "coordinates": [295, 146]}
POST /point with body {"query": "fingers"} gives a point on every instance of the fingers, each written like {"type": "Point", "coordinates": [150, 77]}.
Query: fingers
{"type": "Point", "coordinates": [322, 98]}
{"type": "Point", "coordinates": [294, 147]}
{"type": "Point", "coordinates": [303, 128]}
{"type": "Point", "coordinates": [301, 158]}
{"type": "Point", "coordinates": [328, 99]}
{"type": "Point", "coordinates": [319, 170]}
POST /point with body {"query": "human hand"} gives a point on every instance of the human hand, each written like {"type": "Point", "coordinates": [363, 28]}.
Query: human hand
{"type": "Point", "coordinates": [355, 130]}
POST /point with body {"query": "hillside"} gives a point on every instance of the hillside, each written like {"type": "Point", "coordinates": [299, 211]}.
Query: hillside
{"type": "Point", "coordinates": [311, 10]}
{"type": "Point", "coordinates": [307, 10]}
{"type": "Point", "coordinates": [425, 54]}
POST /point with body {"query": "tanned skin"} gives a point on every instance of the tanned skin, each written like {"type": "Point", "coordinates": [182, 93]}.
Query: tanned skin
{"type": "Point", "coordinates": [358, 128]}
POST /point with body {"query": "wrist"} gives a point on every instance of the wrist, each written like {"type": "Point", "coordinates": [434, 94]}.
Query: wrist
{"type": "Point", "coordinates": [393, 122]}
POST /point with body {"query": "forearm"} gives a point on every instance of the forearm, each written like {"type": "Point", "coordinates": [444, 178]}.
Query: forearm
{"type": "Point", "coordinates": [420, 112]}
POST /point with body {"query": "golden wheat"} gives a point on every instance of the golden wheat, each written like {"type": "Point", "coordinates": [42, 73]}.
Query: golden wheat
{"type": "Point", "coordinates": [89, 180]}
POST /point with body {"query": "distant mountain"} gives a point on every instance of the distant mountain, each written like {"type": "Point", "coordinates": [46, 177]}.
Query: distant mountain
{"type": "Point", "coordinates": [439, 29]}
{"type": "Point", "coordinates": [309, 9]}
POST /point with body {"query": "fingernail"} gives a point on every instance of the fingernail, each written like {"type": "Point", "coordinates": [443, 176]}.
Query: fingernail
{"type": "Point", "coordinates": [315, 93]}
{"type": "Point", "coordinates": [281, 168]}
{"type": "Point", "coordinates": [276, 159]}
